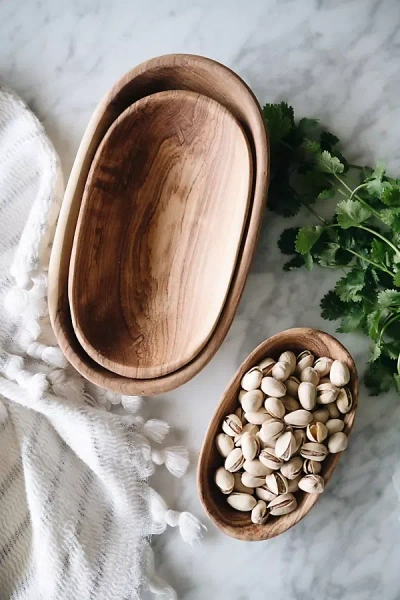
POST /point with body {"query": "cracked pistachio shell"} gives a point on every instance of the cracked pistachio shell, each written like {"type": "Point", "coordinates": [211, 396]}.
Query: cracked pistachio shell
{"type": "Point", "coordinates": [293, 468]}
{"type": "Point", "coordinates": [323, 365]}
{"type": "Point", "coordinates": [281, 371]}
{"type": "Point", "coordinates": [344, 400]}
{"type": "Point", "coordinates": [274, 407]}
{"type": "Point", "coordinates": [264, 493]}
{"type": "Point", "coordinates": [317, 432]}
{"type": "Point", "coordinates": [293, 484]}
{"type": "Point", "coordinates": [266, 365]}
{"type": "Point", "coordinates": [259, 514]}
{"type": "Point", "coordinates": [239, 412]}
{"type": "Point", "coordinates": [282, 505]}
{"type": "Point", "coordinates": [290, 358]}
{"type": "Point", "coordinates": [272, 387]}
{"type": "Point", "coordinates": [314, 451]}
{"type": "Point", "coordinates": [311, 467]}
{"type": "Point", "coordinates": [337, 442]}
{"type": "Point", "coordinates": [243, 502]}
{"type": "Point", "coordinates": [240, 396]}
{"type": "Point", "coordinates": [285, 446]}
{"type": "Point", "coordinates": [256, 468]}
{"type": "Point", "coordinates": [232, 425]}
{"type": "Point", "coordinates": [224, 444]}
{"type": "Point", "coordinates": [290, 403]}
{"type": "Point", "coordinates": [292, 385]}
{"type": "Point", "coordinates": [252, 379]}
{"type": "Point", "coordinates": [249, 427]}
{"type": "Point", "coordinates": [271, 430]}
{"type": "Point", "coordinates": [307, 393]}
{"type": "Point", "coordinates": [251, 481]}
{"type": "Point", "coordinates": [277, 483]}
{"type": "Point", "coordinates": [258, 417]}
{"type": "Point", "coordinates": [320, 415]}
{"type": "Point", "coordinates": [304, 359]}
{"type": "Point", "coordinates": [312, 484]}
{"type": "Point", "coordinates": [234, 461]}
{"type": "Point", "coordinates": [250, 446]}
{"type": "Point", "coordinates": [298, 418]}
{"type": "Point", "coordinates": [252, 401]}
{"type": "Point", "coordinates": [339, 374]}
{"type": "Point", "coordinates": [300, 437]}
{"type": "Point", "coordinates": [326, 393]}
{"type": "Point", "coordinates": [239, 485]}
{"type": "Point", "coordinates": [224, 480]}
{"type": "Point", "coordinates": [309, 375]}
{"type": "Point", "coordinates": [268, 457]}
{"type": "Point", "coordinates": [334, 426]}
{"type": "Point", "coordinates": [333, 410]}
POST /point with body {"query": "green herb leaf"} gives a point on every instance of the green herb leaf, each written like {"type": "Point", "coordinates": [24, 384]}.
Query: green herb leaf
{"type": "Point", "coordinates": [391, 217]}
{"type": "Point", "coordinates": [379, 376]}
{"type": "Point", "coordinates": [376, 351]}
{"type": "Point", "coordinates": [329, 164]}
{"type": "Point", "coordinates": [388, 298]}
{"type": "Point", "coordinates": [375, 183]}
{"type": "Point", "coordinates": [351, 213]}
{"type": "Point", "coordinates": [352, 320]}
{"type": "Point", "coordinates": [349, 287]}
{"type": "Point", "coordinates": [391, 195]}
{"type": "Point", "coordinates": [306, 238]}
{"type": "Point", "coordinates": [308, 261]}
{"type": "Point", "coordinates": [396, 279]}
{"type": "Point", "coordinates": [332, 307]}
{"type": "Point", "coordinates": [326, 194]}
{"type": "Point", "coordinates": [280, 120]}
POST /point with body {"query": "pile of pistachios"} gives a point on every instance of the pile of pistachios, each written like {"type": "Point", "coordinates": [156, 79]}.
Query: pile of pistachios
{"type": "Point", "coordinates": [289, 418]}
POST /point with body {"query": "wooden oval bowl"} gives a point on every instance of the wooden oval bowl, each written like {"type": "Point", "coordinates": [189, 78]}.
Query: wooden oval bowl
{"type": "Point", "coordinates": [150, 266]}
{"type": "Point", "coordinates": [230, 521]}
{"type": "Point", "coordinates": [170, 72]}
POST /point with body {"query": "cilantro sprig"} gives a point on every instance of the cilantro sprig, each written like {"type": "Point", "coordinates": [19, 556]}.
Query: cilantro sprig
{"type": "Point", "coordinates": [361, 239]}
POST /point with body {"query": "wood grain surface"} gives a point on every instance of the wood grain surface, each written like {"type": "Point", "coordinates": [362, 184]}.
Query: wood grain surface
{"type": "Point", "coordinates": [170, 72]}
{"type": "Point", "coordinates": [230, 521]}
{"type": "Point", "coordinates": [158, 233]}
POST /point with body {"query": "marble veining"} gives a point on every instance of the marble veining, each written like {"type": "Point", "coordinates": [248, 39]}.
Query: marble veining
{"type": "Point", "coordinates": [339, 61]}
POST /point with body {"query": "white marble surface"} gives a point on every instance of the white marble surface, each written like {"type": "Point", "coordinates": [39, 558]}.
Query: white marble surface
{"type": "Point", "coordinates": [338, 60]}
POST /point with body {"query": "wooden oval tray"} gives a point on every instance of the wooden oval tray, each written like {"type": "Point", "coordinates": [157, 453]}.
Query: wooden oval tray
{"type": "Point", "coordinates": [170, 72]}
{"type": "Point", "coordinates": [151, 265]}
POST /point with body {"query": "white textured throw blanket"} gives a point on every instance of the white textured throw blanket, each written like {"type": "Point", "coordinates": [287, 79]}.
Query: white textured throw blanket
{"type": "Point", "coordinates": [76, 511]}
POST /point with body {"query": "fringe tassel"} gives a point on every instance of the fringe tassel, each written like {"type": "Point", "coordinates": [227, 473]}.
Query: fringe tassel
{"type": "Point", "coordinates": [48, 354]}
{"type": "Point", "coordinates": [156, 430]}
{"type": "Point", "coordinates": [34, 383]}
{"type": "Point", "coordinates": [155, 584]}
{"type": "Point", "coordinates": [175, 458]}
{"type": "Point", "coordinates": [132, 404]}
{"type": "Point", "coordinates": [189, 526]}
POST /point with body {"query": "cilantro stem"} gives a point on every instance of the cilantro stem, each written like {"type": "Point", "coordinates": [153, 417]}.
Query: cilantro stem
{"type": "Point", "coordinates": [359, 187]}
{"type": "Point", "coordinates": [353, 194]}
{"type": "Point", "coordinates": [368, 260]}
{"type": "Point", "coordinates": [386, 325]}
{"type": "Point", "coordinates": [382, 237]}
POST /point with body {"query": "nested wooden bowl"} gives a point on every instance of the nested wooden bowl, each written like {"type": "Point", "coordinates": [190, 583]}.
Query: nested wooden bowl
{"type": "Point", "coordinates": [238, 524]}
{"type": "Point", "coordinates": [173, 72]}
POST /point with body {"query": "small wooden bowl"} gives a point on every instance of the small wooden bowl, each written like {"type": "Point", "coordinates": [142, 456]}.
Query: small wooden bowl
{"type": "Point", "coordinates": [235, 523]}
{"type": "Point", "coordinates": [171, 72]}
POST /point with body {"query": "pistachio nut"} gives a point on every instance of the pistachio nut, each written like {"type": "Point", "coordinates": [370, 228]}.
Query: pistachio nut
{"type": "Point", "coordinates": [264, 444]}
{"type": "Point", "coordinates": [285, 446]}
{"type": "Point", "coordinates": [324, 380]}
{"type": "Point", "coordinates": [252, 379]}
{"type": "Point", "coordinates": [249, 427]}
{"type": "Point", "coordinates": [234, 461]}
{"type": "Point", "coordinates": [292, 383]}
{"type": "Point", "coordinates": [259, 514]}
{"type": "Point", "coordinates": [298, 418]}
{"type": "Point", "coordinates": [224, 444]}
{"type": "Point", "coordinates": [274, 407]}
{"type": "Point", "coordinates": [317, 432]}
{"type": "Point", "coordinates": [304, 359]}
{"type": "Point", "coordinates": [326, 393]}
{"type": "Point", "coordinates": [282, 505]}
{"type": "Point", "coordinates": [339, 374]}
{"type": "Point", "coordinates": [290, 403]}
{"type": "Point", "coordinates": [312, 484]}
{"type": "Point", "coordinates": [277, 483]}
{"type": "Point", "coordinates": [337, 442]}
{"type": "Point", "coordinates": [271, 430]}
{"type": "Point", "coordinates": [344, 400]}
{"type": "Point", "coordinates": [232, 425]}
{"type": "Point", "coordinates": [272, 387]}
{"type": "Point", "coordinates": [252, 401]}
{"type": "Point", "coordinates": [268, 457]}
{"type": "Point", "coordinates": [323, 365]}
{"type": "Point", "coordinates": [256, 468]}
{"type": "Point", "coordinates": [251, 481]}
{"type": "Point", "coordinates": [314, 451]}
{"type": "Point", "coordinates": [309, 375]}
{"type": "Point", "coordinates": [239, 485]}
{"type": "Point", "coordinates": [307, 393]}
{"type": "Point", "coordinates": [332, 410]}
{"type": "Point", "coordinates": [293, 484]}
{"type": "Point", "coordinates": [240, 501]}
{"type": "Point", "coordinates": [264, 493]}
{"type": "Point", "coordinates": [239, 412]}
{"type": "Point", "coordinates": [290, 358]}
{"type": "Point", "coordinates": [292, 468]}
{"type": "Point", "coordinates": [241, 394]}
{"type": "Point", "coordinates": [281, 371]}
{"type": "Point", "coordinates": [250, 446]}
{"type": "Point", "coordinates": [334, 426]}
{"type": "Point", "coordinates": [320, 415]}
{"type": "Point", "coordinates": [300, 437]}
{"type": "Point", "coordinates": [258, 417]}
{"type": "Point", "coordinates": [311, 467]}
{"type": "Point", "coordinates": [266, 365]}
{"type": "Point", "coordinates": [224, 480]}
